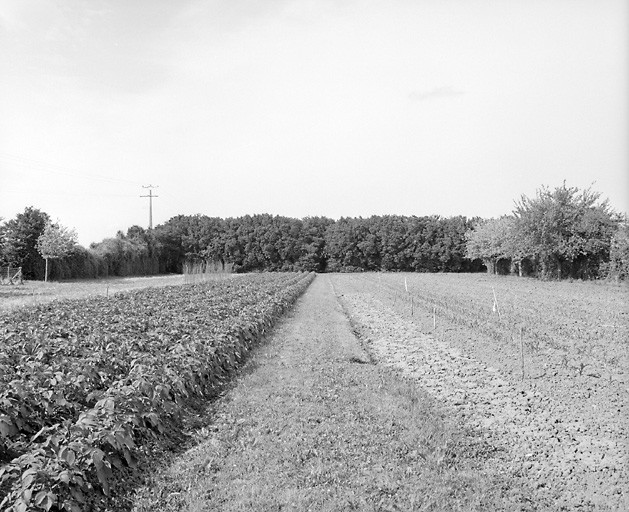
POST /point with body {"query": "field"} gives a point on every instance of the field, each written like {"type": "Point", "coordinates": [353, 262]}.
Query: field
{"type": "Point", "coordinates": [378, 392]}
{"type": "Point", "coordinates": [538, 368]}
{"type": "Point", "coordinates": [88, 387]}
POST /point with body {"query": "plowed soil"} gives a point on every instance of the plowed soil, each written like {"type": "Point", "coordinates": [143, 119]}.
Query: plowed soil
{"type": "Point", "coordinates": [561, 431]}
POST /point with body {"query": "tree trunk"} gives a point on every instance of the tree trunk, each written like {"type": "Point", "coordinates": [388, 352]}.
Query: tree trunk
{"type": "Point", "coordinates": [46, 274]}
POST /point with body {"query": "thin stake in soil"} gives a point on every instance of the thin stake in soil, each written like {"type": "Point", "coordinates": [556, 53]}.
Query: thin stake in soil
{"type": "Point", "coordinates": [495, 308]}
{"type": "Point", "coordinates": [522, 350]}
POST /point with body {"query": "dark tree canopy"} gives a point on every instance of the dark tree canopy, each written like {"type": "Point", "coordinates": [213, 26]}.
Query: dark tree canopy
{"type": "Point", "coordinates": [19, 242]}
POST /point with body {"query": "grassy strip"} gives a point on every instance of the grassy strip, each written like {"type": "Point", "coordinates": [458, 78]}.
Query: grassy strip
{"type": "Point", "coordinates": [313, 426]}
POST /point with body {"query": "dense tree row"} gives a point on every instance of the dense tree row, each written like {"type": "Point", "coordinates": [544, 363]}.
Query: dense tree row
{"type": "Point", "coordinates": [396, 243]}
{"type": "Point", "coordinates": [23, 243]}
{"type": "Point", "coordinates": [265, 242]}
{"type": "Point", "coordinates": [558, 233]}
{"type": "Point", "coordinates": [249, 243]}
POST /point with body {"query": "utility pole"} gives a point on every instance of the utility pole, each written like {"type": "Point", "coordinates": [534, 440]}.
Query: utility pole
{"type": "Point", "coordinates": [150, 196]}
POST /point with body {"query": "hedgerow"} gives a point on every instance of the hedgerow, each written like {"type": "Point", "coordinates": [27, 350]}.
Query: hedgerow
{"type": "Point", "coordinates": [87, 386]}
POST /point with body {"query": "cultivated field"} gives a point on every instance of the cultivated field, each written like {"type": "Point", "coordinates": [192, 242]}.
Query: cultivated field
{"type": "Point", "coordinates": [91, 388]}
{"type": "Point", "coordinates": [378, 392]}
{"type": "Point", "coordinates": [538, 369]}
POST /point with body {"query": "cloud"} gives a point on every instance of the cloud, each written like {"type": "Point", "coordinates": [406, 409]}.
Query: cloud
{"type": "Point", "coordinates": [437, 92]}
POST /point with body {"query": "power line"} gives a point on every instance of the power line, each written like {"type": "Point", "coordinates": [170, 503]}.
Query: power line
{"type": "Point", "coordinates": [150, 196]}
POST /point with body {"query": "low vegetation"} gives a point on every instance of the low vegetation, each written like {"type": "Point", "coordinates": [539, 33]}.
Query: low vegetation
{"type": "Point", "coordinates": [89, 387]}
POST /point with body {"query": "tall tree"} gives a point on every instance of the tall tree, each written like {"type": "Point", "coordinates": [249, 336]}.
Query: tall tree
{"type": "Point", "coordinates": [490, 241]}
{"type": "Point", "coordinates": [567, 230]}
{"type": "Point", "coordinates": [19, 242]}
{"type": "Point", "coordinates": [55, 242]}
{"type": "Point", "coordinates": [312, 244]}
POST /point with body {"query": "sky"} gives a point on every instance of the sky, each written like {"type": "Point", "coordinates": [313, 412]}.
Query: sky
{"type": "Point", "coordinates": [307, 108]}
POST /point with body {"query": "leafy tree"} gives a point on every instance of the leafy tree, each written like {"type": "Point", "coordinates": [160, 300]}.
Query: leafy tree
{"type": "Point", "coordinates": [170, 236]}
{"type": "Point", "coordinates": [395, 239]}
{"type": "Point", "coordinates": [341, 246]}
{"type": "Point", "coordinates": [567, 231]}
{"type": "Point", "coordinates": [618, 265]}
{"type": "Point", "coordinates": [312, 256]}
{"type": "Point", "coordinates": [19, 242]}
{"type": "Point", "coordinates": [490, 241]}
{"type": "Point", "coordinates": [452, 244]}
{"type": "Point", "coordinates": [426, 234]}
{"type": "Point", "coordinates": [55, 242]}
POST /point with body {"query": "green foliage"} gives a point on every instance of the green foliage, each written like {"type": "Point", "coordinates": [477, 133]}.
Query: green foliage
{"type": "Point", "coordinates": [312, 256]}
{"type": "Point", "coordinates": [128, 255]}
{"type": "Point", "coordinates": [251, 242]}
{"type": "Point", "coordinates": [422, 244]}
{"type": "Point", "coordinates": [19, 242]}
{"type": "Point", "coordinates": [189, 238]}
{"type": "Point", "coordinates": [566, 230]}
{"type": "Point", "coordinates": [56, 241]}
{"type": "Point", "coordinates": [618, 266]}
{"type": "Point", "coordinates": [563, 232]}
{"type": "Point", "coordinates": [87, 385]}
{"type": "Point", "coordinates": [490, 241]}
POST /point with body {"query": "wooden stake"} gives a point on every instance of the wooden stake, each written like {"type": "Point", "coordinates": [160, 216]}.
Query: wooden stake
{"type": "Point", "coordinates": [522, 351]}
{"type": "Point", "coordinates": [496, 308]}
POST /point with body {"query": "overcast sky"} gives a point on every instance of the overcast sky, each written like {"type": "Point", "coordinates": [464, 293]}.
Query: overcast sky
{"type": "Point", "coordinates": [303, 108]}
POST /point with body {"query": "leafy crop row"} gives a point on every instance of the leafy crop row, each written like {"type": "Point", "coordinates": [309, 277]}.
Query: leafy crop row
{"type": "Point", "coordinates": [87, 386]}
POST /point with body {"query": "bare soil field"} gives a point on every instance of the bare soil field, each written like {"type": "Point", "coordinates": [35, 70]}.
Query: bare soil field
{"type": "Point", "coordinates": [538, 369]}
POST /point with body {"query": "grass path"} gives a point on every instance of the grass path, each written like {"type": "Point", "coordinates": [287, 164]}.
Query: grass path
{"type": "Point", "coordinates": [311, 424]}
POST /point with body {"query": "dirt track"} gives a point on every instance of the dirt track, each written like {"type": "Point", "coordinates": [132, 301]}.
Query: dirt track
{"type": "Point", "coordinates": [566, 439]}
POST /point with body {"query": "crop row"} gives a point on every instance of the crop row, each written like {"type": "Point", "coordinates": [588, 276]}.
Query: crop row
{"type": "Point", "coordinates": [87, 385]}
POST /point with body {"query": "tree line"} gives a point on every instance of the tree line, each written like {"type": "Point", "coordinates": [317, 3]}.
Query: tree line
{"type": "Point", "coordinates": [276, 243]}
{"type": "Point", "coordinates": [559, 233]}
{"type": "Point", "coordinates": [31, 240]}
